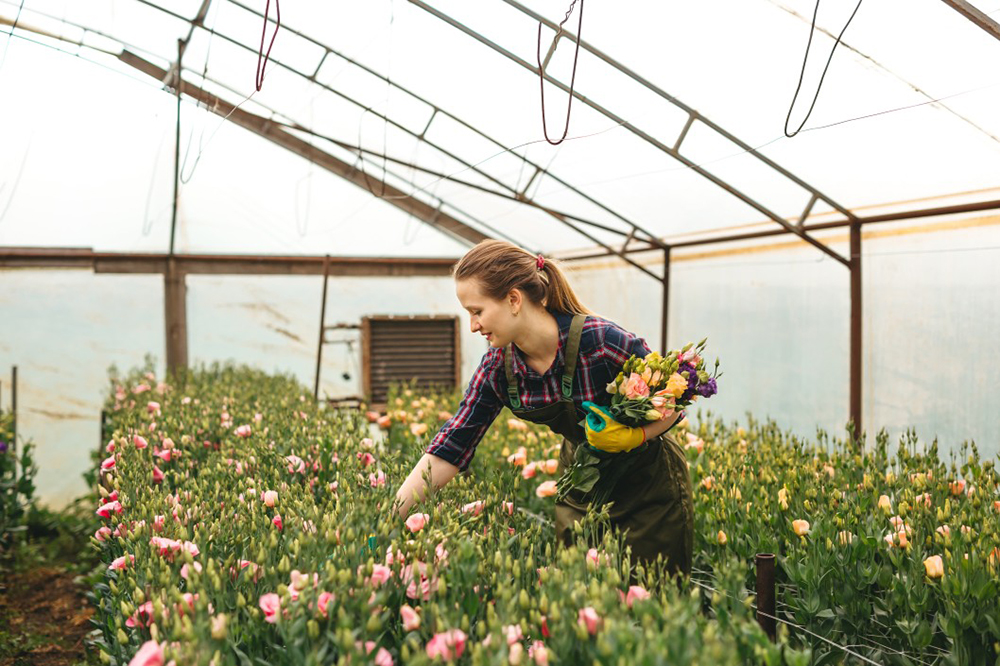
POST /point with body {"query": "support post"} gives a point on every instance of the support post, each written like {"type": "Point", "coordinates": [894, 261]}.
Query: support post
{"type": "Point", "coordinates": [322, 325]}
{"type": "Point", "coordinates": [765, 593]}
{"type": "Point", "coordinates": [13, 410]}
{"type": "Point", "coordinates": [856, 331]}
{"type": "Point", "coordinates": [666, 301]}
{"type": "Point", "coordinates": [175, 316]}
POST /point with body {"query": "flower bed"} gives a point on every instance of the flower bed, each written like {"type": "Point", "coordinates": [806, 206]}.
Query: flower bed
{"type": "Point", "coordinates": [242, 525]}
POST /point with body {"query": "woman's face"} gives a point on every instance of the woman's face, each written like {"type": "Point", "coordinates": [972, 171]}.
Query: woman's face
{"type": "Point", "coordinates": [487, 316]}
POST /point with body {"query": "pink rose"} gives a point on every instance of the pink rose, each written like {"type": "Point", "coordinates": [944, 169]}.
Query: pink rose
{"type": "Point", "coordinates": [635, 593]}
{"type": "Point", "coordinates": [589, 618]}
{"type": "Point", "coordinates": [150, 654]}
{"type": "Point", "coordinates": [122, 562]}
{"type": "Point", "coordinates": [270, 603]}
{"type": "Point", "coordinates": [139, 441]}
{"type": "Point", "coordinates": [270, 497]}
{"type": "Point", "coordinates": [448, 645]}
{"type": "Point", "coordinates": [411, 620]}
{"type": "Point", "coordinates": [416, 522]}
{"type": "Point", "coordinates": [635, 387]}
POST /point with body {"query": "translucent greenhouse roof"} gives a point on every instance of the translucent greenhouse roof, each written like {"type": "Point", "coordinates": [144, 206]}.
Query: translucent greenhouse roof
{"type": "Point", "coordinates": [434, 106]}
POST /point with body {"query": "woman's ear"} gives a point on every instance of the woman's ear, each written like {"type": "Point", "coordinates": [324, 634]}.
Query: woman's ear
{"type": "Point", "coordinates": [515, 299]}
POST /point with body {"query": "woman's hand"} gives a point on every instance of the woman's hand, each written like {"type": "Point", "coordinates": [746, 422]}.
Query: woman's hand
{"type": "Point", "coordinates": [606, 434]}
{"type": "Point", "coordinates": [414, 488]}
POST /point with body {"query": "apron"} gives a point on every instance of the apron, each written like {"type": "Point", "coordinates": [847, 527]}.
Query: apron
{"type": "Point", "coordinates": [654, 508]}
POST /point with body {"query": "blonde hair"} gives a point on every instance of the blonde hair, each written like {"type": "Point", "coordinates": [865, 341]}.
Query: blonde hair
{"type": "Point", "coordinates": [501, 267]}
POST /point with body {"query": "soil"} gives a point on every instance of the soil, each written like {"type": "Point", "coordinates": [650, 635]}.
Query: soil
{"type": "Point", "coordinates": [44, 618]}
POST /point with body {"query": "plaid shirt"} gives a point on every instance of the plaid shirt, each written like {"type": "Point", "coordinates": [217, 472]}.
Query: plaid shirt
{"type": "Point", "coordinates": [604, 348]}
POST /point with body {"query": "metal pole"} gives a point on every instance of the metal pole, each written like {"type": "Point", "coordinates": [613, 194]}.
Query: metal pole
{"type": "Point", "coordinates": [322, 325]}
{"type": "Point", "coordinates": [13, 410]}
{"type": "Point", "coordinates": [666, 301]}
{"type": "Point", "coordinates": [856, 331]}
{"type": "Point", "coordinates": [177, 145]}
{"type": "Point", "coordinates": [765, 593]}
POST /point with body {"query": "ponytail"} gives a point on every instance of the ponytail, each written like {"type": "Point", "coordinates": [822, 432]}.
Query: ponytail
{"type": "Point", "coordinates": [501, 267]}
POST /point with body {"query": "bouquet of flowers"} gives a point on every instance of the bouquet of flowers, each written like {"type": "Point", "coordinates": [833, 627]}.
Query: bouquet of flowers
{"type": "Point", "coordinates": [647, 389]}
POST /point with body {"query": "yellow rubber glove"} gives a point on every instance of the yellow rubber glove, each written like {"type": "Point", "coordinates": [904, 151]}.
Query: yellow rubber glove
{"type": "Point", "coordinates": [606, 434]}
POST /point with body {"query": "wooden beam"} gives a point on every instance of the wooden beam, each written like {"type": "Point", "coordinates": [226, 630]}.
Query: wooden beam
{"type": "Point", "coordinates": [275, 133]}
{"type": "Point", "coordinates": [975, 15]}
{"type": "Point", "coordinates": [205, 264]}
{"type": "Point", "coordinates": [175, 317]}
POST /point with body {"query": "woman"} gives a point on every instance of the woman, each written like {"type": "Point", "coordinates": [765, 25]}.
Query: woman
{"type": "Point", "coordinates": [548, 355]}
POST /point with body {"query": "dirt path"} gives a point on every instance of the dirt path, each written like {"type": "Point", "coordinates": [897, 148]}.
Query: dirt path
{"type": "Point", "coordinates": [44, 618]}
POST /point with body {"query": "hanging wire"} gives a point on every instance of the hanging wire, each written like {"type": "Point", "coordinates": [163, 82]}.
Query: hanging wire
{"type": "Point", "coordinates": [541, 69]}
{"type": "Point", "coordinates": [17, 181]}
{"type": "Point", "coordinates": [147, 223]}
{"type": "Point", "coordinates": [805, 59]}
{"type": "Point", "coordinates": [201, 135]}
{"type": "Point", "coordinates": [259, 79]}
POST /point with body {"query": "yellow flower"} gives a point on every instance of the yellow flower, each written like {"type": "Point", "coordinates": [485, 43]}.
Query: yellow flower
{"type": "Point", "coordinates": [934, 566]}
{"type": "Point", "coordinates": [845, 538]}
{"type": "Point", "coordinates": [722, 538]}
{"type": "Point", "coordinates": [800, 527]}
{"type": "Point", "coordinates": [676, 385]}
{"type": "Point", "coordinates": [783, 498]}
{"type": "Point", "coordinates": [885, 504]}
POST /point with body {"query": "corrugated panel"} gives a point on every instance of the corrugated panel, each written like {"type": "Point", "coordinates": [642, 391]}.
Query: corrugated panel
{"type": "Point", "coordinates": [403, 350]}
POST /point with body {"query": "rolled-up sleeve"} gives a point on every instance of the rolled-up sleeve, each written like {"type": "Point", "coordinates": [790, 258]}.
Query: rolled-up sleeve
{"type": "Point", "coordinates": [457, 439]}
{"type": "Point", "coordinates": [618, 345]}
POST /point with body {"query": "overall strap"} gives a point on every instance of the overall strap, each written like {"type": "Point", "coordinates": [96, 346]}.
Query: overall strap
{"type": "Point", "coordinates": [515, 399]}
{"type": "Point", "coordinates": [570, 355]}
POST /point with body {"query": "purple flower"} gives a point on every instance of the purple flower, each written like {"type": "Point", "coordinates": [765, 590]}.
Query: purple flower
{"type": "Point", "coordinates": [708, 389]}
{"type": "Point", "coordinates": [3, 447]}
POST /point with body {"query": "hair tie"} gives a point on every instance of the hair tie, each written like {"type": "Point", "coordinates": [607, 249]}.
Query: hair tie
{"type": "Point", "coordinates": [540, 264]}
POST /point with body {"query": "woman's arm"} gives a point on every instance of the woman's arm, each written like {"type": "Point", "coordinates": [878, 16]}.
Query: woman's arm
{"type": "Point", "coordinates": [651, 430]}
{"type": "Point", "coordinates": [441, 472]}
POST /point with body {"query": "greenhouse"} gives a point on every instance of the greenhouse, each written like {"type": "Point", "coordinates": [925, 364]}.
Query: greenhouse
{"type": "Point", "coordinates": [245, 267]}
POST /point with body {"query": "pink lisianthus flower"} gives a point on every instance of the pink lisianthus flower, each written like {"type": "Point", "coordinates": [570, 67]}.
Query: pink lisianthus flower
{"type": "Point", "coordinates": [106, 510]}
{"type": "Point", "coordinates": [108, 464]}
{"type": "Point", "coordinates": [411, 620]}
{"type": "Point", "coordinates": [277, 521]}
{"type": "Point", "coordinates": [589, 618]}
{"type": "Point", "coordinates": [139, 441]}
{"type": "Point", "coordinates": [243, 431]}
{"type": "Point", "coordinates": [150, 654]}
{"type": "Point", "coordinates": [323, 602]}
{"type": "Point", "coordinates": [635, 387]}
{"type": "Point", "coordinates": [376, 479]}
{"type": "Point", "coordinates": [448, 645]}
{"type": "Point", "coordinates": [270, 603]}
{"type": "Point", "coordinates": [157, 475]}
{"type": "Point", "coordinates": [296, 465]}
{"type": "Point", "coordinates": [475, 508]}
{"type": "Point", "coordinates": [122, 562]}
{"type": "Point", "coordinates": [635, 593]}
{"type": "Point", "coordinates": [416, 522]}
